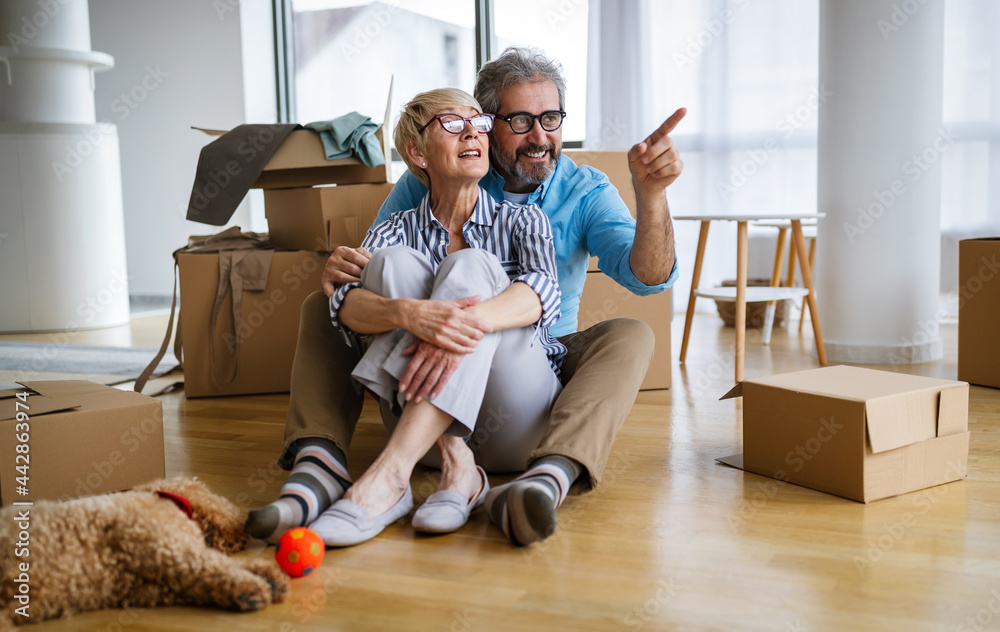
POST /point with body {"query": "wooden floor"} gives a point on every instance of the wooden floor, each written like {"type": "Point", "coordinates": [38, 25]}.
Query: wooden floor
{"type": "Point", "coordinates": [671, 541]}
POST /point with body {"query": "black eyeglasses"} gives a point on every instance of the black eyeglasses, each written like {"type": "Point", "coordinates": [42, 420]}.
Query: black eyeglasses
{"type": "Point", "coordinates": [455, 124]}
{"type": "Point", "coordinates": [522, 122]}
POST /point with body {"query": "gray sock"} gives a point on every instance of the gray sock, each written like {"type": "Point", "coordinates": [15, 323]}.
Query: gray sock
{"type": "Point", "coordinates": [318, 479]}
{"type": "Point", "coordinates": [525, 508]}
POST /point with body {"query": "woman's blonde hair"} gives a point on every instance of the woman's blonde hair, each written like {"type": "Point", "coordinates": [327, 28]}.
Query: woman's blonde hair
{"type": "Point", "coordinates": [415, 115]}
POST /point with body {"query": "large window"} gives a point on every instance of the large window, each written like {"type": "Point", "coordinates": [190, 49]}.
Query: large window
{"type": "Point", "coordinates": [346, 51]}
{"type": "Point", "coordinates": [559, 29]}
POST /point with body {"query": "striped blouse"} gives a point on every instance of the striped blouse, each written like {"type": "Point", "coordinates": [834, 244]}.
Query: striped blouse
{"type": "Point", "coordinates": [519, 235]}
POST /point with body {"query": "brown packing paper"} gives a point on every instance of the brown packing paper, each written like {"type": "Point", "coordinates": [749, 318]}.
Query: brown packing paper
{"type": "Point", "coordinates": [300, 161]}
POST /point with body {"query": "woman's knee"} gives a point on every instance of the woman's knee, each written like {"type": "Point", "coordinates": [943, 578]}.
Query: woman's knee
{"type": "Point", "coordinates": [395, 269]}
{"type": "Point", "coordinates": [469, 272]}
{"type": "Point", "coordinates": [390, 260]}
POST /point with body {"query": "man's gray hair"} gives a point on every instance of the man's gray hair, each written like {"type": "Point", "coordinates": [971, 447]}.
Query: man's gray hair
{"type": "Point", "coordinates": [514, 66]}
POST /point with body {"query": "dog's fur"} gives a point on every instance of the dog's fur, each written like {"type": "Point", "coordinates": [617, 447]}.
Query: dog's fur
{"type": "Point", "coordinates": [133, 548]}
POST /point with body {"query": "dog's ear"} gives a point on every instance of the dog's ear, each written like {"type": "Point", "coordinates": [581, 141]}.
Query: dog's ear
{"type": "Point", "coordinates": [218, 518]}
{"type": "Point", "coordinates": [227, 537]}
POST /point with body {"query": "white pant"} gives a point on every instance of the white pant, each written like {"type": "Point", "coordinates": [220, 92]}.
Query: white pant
{"type": "Point", "coordinates": [501, 393]}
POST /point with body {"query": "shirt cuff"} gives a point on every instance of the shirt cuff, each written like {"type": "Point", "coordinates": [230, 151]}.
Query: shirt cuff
{"type": "Point", "coordinates": [634, 285]}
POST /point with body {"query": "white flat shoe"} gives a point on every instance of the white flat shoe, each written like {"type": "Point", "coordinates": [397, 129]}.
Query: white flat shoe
{"type": "Point", "coordinates": [346, 523]}
{"type": "Point", "coordinates": [447, 510]}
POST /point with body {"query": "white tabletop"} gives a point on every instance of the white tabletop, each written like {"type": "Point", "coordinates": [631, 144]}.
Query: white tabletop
{"type": "Point", "coordinates": [754, 294]}
{"type": "Point", "coordinates": [747, 217]}
{"type": "Point", "coordinates": [783, 223]}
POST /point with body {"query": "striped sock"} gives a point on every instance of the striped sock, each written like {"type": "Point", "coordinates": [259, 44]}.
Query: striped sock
{"type": "Point", "coordinates": [525, 508]}
{"type": "Point", "coordinates": [318, 479]}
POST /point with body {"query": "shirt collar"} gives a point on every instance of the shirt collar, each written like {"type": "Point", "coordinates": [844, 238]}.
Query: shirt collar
{"type": "Point", "coordinates": [484, 213]}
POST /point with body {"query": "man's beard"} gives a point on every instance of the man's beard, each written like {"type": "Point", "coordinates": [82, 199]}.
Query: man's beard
{"type": "Point", "coordinates": [535, 173]}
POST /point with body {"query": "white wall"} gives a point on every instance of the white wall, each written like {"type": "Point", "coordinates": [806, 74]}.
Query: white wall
{"type": "Point", "coordinates": [178, 63]}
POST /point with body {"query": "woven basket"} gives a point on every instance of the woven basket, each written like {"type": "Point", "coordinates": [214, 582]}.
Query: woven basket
{"type": "Point", "coordinates": [755, 311]}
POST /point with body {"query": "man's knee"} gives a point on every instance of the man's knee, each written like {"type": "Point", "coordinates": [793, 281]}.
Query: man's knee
{"type": "Point", "coordinates": [315, 313]}
{"type": "Point", "coordinates": [627, 336]}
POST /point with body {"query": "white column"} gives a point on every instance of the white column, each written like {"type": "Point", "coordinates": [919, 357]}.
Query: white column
{"type": "Point", "coordinates": [879, 182]}
{"type": "Point", "coordinates": [62, 235]}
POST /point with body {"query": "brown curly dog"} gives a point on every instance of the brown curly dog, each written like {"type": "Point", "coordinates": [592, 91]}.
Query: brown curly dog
{"type": "Point", "coordinates": [162, 543]}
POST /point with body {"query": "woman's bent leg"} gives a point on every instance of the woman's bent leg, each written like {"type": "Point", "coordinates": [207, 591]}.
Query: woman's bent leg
{"type": "Point", "coordinates": [515, 409]}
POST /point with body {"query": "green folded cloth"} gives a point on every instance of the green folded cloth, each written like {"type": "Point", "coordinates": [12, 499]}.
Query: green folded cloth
{"type": "Point", "coordinates": [350, 135]}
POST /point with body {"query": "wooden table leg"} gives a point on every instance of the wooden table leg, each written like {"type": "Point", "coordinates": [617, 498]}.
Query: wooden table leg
{"type": "Point", "coordinates": [805, 300]}
{"type": "Point", "coordinates": [790, 282]}
{"type": "Point", "coordinates": [742, 244]}
{"type": "Point", "coordinates": [800, 247]}
{"type": "Point", "coordinates": [772, 306]}
{"type": "Point", "coordinates": [695, 278]}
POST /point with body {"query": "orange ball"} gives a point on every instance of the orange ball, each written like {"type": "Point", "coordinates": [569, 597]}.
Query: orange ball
{"type": "Point", "coordinates": [299, 551]}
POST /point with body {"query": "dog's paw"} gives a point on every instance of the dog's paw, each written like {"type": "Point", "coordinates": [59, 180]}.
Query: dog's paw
{"type": "Point", "coordinates": [274, 576]}
{"type": "Point", "coordinates": [248, 602]}
{"type": "Point", "coordinates": [252, 593]}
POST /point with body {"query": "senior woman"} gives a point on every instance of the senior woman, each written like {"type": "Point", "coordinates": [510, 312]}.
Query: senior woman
{"type": "Point", "coordinates": [473, 280]}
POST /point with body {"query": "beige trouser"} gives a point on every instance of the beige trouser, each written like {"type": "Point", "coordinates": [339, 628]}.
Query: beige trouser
{"type": "Point", "coordinates": [601, 373]}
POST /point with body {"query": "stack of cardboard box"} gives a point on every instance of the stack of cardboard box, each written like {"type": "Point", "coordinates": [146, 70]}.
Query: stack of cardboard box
{"type": "Point", "coordinates": [307, 218]}
{"type": "Point", "coordinates": [603, 298]}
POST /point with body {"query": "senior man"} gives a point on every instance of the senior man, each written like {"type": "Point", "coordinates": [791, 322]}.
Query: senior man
{"type": "Point", "coordinates": [604, 366]}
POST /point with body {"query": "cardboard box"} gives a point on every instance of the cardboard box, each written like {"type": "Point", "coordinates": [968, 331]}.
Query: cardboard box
{"type": "Point", "coordinates": [301, 161]}
{"type": "Point", "coordinates": [614, 164]}
{"type": "Point", "coordinates": [604, 299]}
{"type": "Point", "coordinates": [82, 439]}
{"type": "Point", "coordinates": [979, 311]}
{"type": "Point", "coordinates": [853, 432]}
{"type": "Point", "coordinates": [322, 218]}
{"type": "Point", "coordinates": [267, 331]}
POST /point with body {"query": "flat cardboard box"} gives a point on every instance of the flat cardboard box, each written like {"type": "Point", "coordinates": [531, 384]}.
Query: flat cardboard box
{"type": "Point", "coordinates": [301, 161]}
{"type": "Point", "coordinates": [979, 311]}
{"type": "Point", "coordinates": [322, 218]}
{"type": "Point", "coordinates": [604, 299]}
{"type": "Point", "coordinates": [853, 432]}
{"type": "Point", "coordinates": [83, 438]}
{"type": "Point", "coordinates": [614, 164]}
{"type": "Point", "coordinates": [268, 328]}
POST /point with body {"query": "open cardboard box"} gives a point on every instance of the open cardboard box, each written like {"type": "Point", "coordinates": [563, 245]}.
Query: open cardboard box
{"type": "Point", "coordinates": [83, 438]}
{"type": "Point", "coordinates": [301, 161]}
{"type": "Point", "coordinates": [322, 218]}
{"type": "Point", "coordinates": [978, 311]}
{"type": "Point", "coordinates": [853, 432]}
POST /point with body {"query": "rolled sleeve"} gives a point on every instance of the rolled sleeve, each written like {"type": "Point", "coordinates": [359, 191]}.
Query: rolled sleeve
{"type": "Point", "coordinates": [337, 301]}
{"type": "Point", "coordinates": [610, 232]}
{"type": "Point", "coordinates": [537, 261]}
{"type": "Point", "coordinates": [381, 235]}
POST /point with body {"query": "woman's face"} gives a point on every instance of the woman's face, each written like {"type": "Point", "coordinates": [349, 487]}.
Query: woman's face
{"type": "Point", "coordinates": [455, 157]}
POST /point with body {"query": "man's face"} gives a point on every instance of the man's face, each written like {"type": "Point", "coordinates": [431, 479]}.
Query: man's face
{"type": "Point", "coordinates": [526, 160]}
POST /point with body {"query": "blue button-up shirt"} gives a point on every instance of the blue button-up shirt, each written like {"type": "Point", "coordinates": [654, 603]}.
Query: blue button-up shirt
{"type": "Point", "coordinates": [588, 217]}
